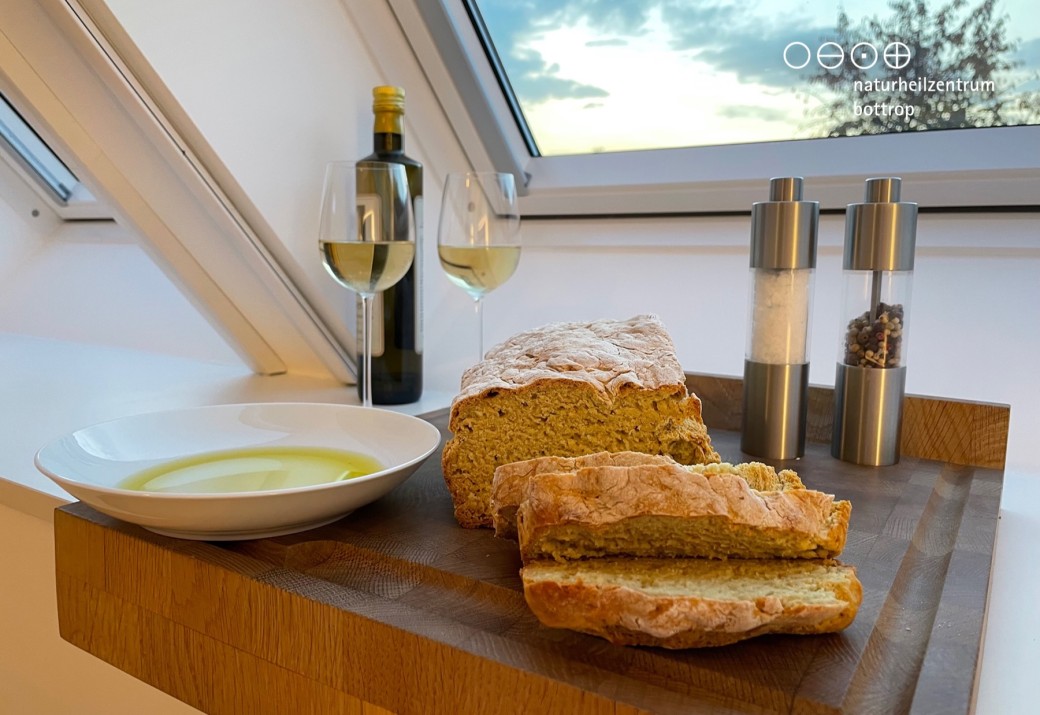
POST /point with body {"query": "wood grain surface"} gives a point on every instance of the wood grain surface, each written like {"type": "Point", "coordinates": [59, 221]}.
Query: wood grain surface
{"type": "Point", "coordinates": [396, 609]}
{"type": "Point", "coordinates": [955, 431]}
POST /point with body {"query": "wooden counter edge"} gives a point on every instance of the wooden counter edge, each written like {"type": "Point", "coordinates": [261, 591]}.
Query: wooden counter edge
{"type": "Point", "coordinates": [107, 606]}
{"type": "Point", "coordinates": [962, 432]}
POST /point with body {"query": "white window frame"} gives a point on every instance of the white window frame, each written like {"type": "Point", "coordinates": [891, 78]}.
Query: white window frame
{"type": "Point", "coordinates": [58, 67]}
{"type": "Point", "coordinates": [27, 153]}
{"type": "Point", "coordinates": [968, 168]}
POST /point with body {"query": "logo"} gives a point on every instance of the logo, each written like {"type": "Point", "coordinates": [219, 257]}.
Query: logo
{"type": "Point", "coordinates": [897, 55]}
{"type": "Point", "coordinates": [831, 55]}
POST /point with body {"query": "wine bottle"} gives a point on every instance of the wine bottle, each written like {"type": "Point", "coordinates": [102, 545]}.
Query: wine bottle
{"type": "Point", "coordinates": [397, 332]}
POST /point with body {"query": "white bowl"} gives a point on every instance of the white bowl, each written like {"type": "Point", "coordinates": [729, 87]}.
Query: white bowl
{"type": "Point", "coordinates": [89, 464]}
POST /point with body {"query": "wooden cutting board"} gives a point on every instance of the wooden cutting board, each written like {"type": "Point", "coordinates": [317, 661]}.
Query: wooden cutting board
{"type": "Point", "coordinates": [395, 608]}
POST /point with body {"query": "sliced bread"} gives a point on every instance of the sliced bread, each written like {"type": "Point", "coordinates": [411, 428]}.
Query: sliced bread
{"type": "Point", "coordinates": [689, 603]}
{"type": "Point", "coordinates": [667, 510]}
{"type": "Point", "coordinates": [510, 480]}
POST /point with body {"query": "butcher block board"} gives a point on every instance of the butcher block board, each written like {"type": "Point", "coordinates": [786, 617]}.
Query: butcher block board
{"type": "Point", "coordinates": [397, 609]}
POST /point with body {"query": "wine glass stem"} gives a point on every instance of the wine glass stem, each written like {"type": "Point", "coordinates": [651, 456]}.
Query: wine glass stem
{"type": "Point", "coordinates": [366, 342]}
{"type": "Point", "coordinates": [478, 303]}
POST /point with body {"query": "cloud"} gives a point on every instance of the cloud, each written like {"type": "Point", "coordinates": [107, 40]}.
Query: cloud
{"type": "Point", "coordinates": [729, 37]}
{"type": "Point", "coordinates": [759, 56]}
{"type": "Point", "coordinates": [733, 38]}
{"type": "Point", "coordinates": [1029, 71]}
{"type": "Point", "coordinates": [752, 111]}
{"type": "Point", "coordinates": [610, 17]}
{"type": "Point", "coordinates": [1029, 54]}
{"type": "Point", "coordinates": [532, 78]}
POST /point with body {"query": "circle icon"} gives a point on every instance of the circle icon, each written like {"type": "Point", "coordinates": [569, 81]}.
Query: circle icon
{"type": "Point", "coordinates": [830, 55]}
{"type": "Point", "coordinates": [802, 46]}
{"type": "Point", "coordinates": [864, 55]}
{"type": "Point", "coordinates": [897, 55]}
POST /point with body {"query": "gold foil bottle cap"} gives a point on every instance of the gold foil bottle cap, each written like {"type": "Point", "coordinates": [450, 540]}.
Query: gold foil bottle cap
{"type": "Point", "coordinates": [387, 99]}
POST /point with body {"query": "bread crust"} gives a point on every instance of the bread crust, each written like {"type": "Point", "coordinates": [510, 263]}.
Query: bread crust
{"type": "Point", "coordinates": [510, 483]}
{"type": "Point", "coordinates": [607, 355]}
{"type": "Point", "coordinates": [509, 486]}
{"type": "Point", "coordinates": [794, 597]}
{"type": "Point", "coordinates": [668, 510]}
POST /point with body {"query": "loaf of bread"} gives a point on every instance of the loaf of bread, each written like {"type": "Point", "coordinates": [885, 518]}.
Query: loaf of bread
{"type": "Point", "coordinates": [671, 511]}
{"type": "Point", "coordinates": [569, 389]}
{"type": "Point", "coordinates": [689, 603]}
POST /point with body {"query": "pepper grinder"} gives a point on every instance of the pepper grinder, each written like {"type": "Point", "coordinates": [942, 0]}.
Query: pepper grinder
{"type": "Point", "coordinates": [880, 237]}
{"type": "Point", "coordinates": [776, 363]}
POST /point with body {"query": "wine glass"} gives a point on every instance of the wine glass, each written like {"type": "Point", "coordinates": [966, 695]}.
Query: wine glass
{"type": "Point", "coordinates": [478, 239]}
{"type": "Point", "coordinates": [367, 237]}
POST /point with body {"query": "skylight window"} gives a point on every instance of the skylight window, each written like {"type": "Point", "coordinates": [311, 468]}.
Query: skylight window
{"type": "Point", "coordinates": [593, 76]}
{"type": "Point", "coordinates": [34, 155]}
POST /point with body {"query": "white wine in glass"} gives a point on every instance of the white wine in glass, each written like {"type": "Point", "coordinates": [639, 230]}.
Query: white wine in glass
{"type": "Point", "coordinates": [479, 269]}
{"type": "Point", "coordinates": [368, 267]}
{"type": "Point", "coordinates": [478, 239]}
{"type": "Point", "coordinates": [366, 237]}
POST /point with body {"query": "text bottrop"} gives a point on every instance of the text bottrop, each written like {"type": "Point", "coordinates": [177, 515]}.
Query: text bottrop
{"type": "Point", "coordinates": [884, 110]}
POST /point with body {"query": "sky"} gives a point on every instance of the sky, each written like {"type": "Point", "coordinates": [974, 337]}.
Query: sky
{"type": "Point", "coordinates": [608, 75]}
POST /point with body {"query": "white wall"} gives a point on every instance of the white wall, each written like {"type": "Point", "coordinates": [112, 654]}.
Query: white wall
{"type": "Point", "coordinates": [91, 282]}
{"type": "Point", "coordinates": [24, 220]}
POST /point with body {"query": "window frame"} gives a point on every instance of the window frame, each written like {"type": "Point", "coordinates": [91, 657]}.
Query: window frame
{"type": "Point", "coordinates": [64, 73]}
{"type": "Point", "coordinates": [952, 169]}
{"type": "Point", "coordinates": [30, 157]}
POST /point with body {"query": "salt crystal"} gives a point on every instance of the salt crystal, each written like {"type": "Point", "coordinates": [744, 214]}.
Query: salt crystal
{"type": "Point", "coordinates": [780, 317]}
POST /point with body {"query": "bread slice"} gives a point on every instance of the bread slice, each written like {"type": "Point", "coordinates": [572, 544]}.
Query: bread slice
{"type": "Point", "coordinates": [509, 485]}
{"type": "Point", "coordinates": [668, 510]}
{"type": "Point", "coordinates": [691, 603]}
{"type": "Point", "coordinates": [569, 389]}
{"type": "Point", "coordinates": [510, 481]}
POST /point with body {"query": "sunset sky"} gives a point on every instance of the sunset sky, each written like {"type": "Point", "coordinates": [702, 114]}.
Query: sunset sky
{"type": "Point", "coordinates": [603, 75]}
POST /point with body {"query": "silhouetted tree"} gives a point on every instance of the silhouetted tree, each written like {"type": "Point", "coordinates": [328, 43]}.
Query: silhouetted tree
{"type": "Point", "coordinates": [961, 73]}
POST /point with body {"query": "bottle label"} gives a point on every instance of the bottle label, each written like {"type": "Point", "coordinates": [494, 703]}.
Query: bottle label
{"type": "Point", "coordinates": [370, 225]}
{"type": "Point", "coordinates": [417, 209]}
{"type": "Point", "coordinates": [370, 217]}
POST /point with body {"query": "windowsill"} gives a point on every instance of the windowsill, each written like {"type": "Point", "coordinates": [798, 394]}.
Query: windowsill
{"type": "Point", "coordinates": [52, 387]}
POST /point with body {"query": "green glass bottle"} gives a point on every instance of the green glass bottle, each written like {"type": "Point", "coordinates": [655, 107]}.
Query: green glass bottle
{"type": "Point", "coordinates": [397, 312]}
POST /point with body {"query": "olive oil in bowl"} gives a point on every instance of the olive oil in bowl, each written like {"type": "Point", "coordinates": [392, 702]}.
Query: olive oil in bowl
{"type": "Point", "coordinates": [251, 470]}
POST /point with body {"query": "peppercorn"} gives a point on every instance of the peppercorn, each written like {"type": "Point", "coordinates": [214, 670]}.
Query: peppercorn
{"type": "Point", "coordinates": [874, 338]}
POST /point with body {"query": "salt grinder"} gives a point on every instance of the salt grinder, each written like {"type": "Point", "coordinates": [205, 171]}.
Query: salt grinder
{"type": "Point", "coordinates": [776, 363]}
{"type": "Point", "coordinates": [880, 236]}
